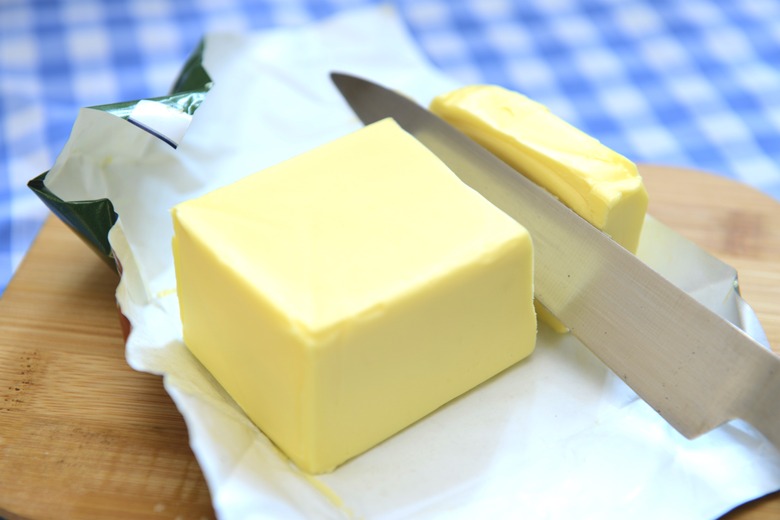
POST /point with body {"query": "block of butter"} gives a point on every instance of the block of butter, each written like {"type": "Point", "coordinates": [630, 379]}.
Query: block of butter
{"type": "Point", "coordinates": [599, 184]}
{"type": "Point", "coordinates": [344, 294]}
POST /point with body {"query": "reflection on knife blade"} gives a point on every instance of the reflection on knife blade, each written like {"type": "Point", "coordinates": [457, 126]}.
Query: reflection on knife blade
{"type": "Point", "coordinates": [695, 368]}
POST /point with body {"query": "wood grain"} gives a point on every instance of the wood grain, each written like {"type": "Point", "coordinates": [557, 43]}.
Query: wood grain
{"type": "Point", "coordinates": [84, 436]}
{"type": "Point", "coordinates": [81, 434]}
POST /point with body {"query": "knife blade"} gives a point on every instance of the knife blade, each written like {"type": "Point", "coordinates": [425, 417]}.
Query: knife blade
{"type": "Point", "coordinates": [694, 368]}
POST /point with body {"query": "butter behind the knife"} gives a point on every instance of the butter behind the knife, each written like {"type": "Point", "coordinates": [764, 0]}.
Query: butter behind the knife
{"type": "Point", "coordinates": [344, 294]}
{"type": "Point", "coordinates": [596, 182]}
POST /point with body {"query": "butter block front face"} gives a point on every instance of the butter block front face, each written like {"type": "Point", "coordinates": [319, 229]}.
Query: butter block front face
{"type": "Point", "coordinates": [599, 184]}
{"type": "Point", "coordinates": [346, 293]}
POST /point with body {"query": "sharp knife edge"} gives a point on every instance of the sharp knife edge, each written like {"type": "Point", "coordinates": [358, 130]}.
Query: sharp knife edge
{"type": "Point", "coordinates": [693, 367]}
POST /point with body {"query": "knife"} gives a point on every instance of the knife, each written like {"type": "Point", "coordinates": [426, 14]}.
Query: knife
{"type": "Point", "coordinates": [694, 368]}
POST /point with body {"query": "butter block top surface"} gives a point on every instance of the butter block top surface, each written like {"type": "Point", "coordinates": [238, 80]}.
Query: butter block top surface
{"type": "Point", "coordinates": [591, 177]}
{"type": "Point", "coordinates": [339, 230]}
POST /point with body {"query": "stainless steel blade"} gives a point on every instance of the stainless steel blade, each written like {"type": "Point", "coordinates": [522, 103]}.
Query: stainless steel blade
{"type": "Point", "coordinates": [696, 369]}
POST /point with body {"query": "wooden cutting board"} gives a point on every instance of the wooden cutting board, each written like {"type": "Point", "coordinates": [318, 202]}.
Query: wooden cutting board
{"type": "Point", "coordinates": [84, 436]}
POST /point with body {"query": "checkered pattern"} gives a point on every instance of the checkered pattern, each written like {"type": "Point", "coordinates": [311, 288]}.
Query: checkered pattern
{"type": "Point", "coordinates": [693, 83]}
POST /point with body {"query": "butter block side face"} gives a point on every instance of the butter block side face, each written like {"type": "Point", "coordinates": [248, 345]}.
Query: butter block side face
{"type": "Point", "coordinates": [343, 295]}
{"type": "Point", "coordinates": [412, 356]}
{"type": "Point", "coordinates": [599, 184]}
{"type": "Point", "coordinates": [237, 333]}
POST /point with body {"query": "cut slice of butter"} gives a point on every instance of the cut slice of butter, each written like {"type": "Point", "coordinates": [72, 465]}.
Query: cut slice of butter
{"type": "Point", "coordinates": [599, 184]}
{"type": "Point", "coordinates": [344, 294]}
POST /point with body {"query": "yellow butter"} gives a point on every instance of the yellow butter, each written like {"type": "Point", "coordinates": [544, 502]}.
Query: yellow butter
{"type": "Point", "coordinates": [599, 184]}
{"type": "Point", "coordinates": [344, 294]}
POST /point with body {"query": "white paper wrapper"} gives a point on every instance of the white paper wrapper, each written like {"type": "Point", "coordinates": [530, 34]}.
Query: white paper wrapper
{"type": "Point", "coordinates": [556, 436]}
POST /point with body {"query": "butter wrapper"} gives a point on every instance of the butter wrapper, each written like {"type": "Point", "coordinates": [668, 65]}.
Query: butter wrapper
{"type": "Point", "coordinates": [558, 436]}
{"type": "Point", "coordinates": [92, 219]}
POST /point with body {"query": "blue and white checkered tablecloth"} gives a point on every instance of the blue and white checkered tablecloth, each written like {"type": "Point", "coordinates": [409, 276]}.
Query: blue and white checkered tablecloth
{"type": "Point", "coordinates": [694, 83]}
